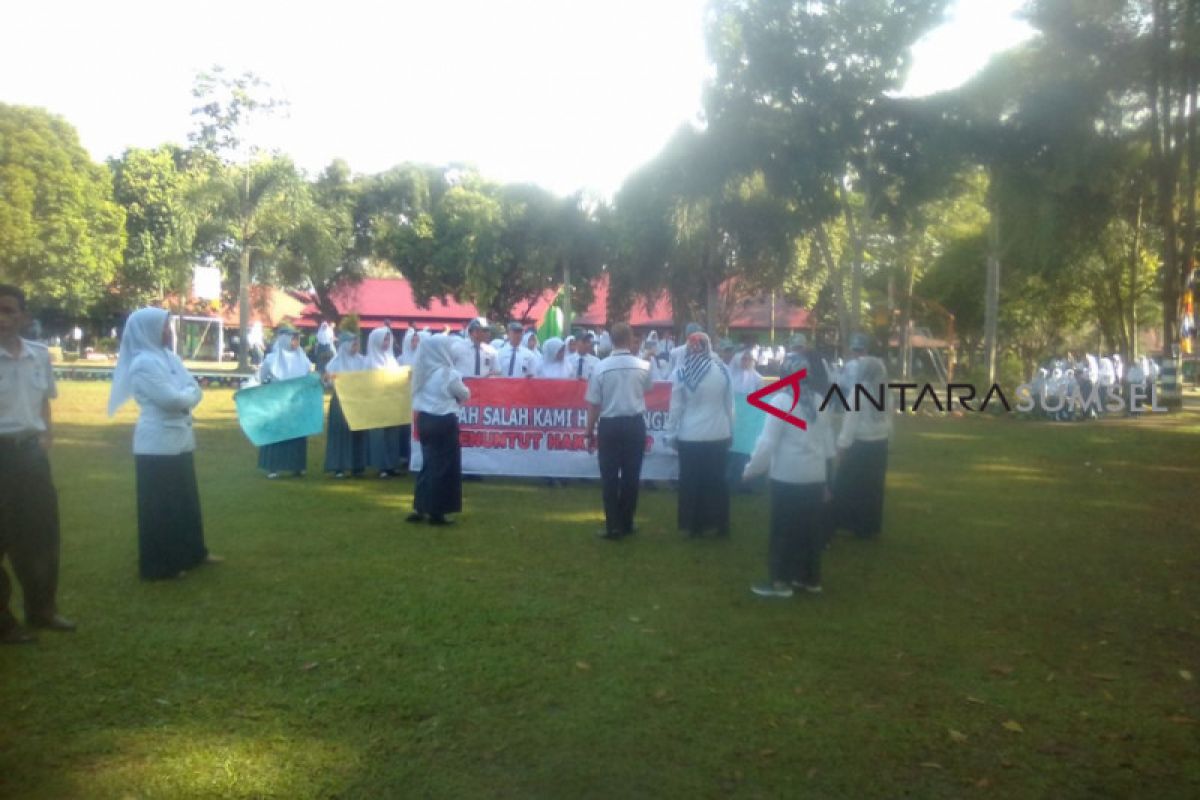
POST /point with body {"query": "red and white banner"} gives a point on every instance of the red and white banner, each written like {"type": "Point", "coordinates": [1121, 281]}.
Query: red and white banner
{"type": "Point", "coordinates": [532, 427]}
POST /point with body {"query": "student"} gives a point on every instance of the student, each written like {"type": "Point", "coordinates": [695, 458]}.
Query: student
{"type": "Point", "coordinates": [286, 361]}
{"type": "Point", "coordinates": [650, 354]}
{"type": "Point", "coordinates": [616, 426]}
{"type": "Point", "coordinates": [326, 346]}
{"type": "Point", "coordinates": [386, 447]}
{"type": "Point", "coordinates": [554, 361]}
{"type": "Point", "coordinates": [676, 354]}
{"type": "Point", "coordinates": [345, 450]}
{"type": "Point", "coordinates": [701, 425]}
{"type": "Point", "coordinates": [516, 360]}
{"type": "Point", "coordinates": [437, 392]}
{"type": "Point", "coordinates": [29, 532]}
{"type": "Point", "coordinates": [474, 357]}
{"type": "Point", "coordinates": [582, 363]}
{"type": "Point", "coordinates": [530, 342]}
{"type": "Point", "coordinates": [863, 456]}
{"type": "Point", "coordinates": [797, 463]}
{"type": "Point", "coordinates": [170, 527]}
{"type": "Point", "coordinates": [745, 380]}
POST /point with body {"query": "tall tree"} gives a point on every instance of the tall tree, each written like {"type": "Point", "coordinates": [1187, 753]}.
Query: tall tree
{"type": "Point", "coordinates": [229, 106]}
{"type": "Point", "coordinates": [61, 234]}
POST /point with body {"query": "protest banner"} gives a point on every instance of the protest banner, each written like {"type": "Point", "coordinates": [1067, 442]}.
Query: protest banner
{"type": "Point", "coordinates": [376, 398]}
{"type": "Point", "coordinates": [281, 410]}
{"type": "Point", "coordinates": [530, 427]}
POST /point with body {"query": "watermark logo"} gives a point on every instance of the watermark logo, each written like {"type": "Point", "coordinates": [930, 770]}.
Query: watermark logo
{"type": "Point", "coordinates": [758, 399]}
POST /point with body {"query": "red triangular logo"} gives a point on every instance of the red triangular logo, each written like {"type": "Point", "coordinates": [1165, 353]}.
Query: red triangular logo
{"type": "Point", "coordinates": [758, 399]}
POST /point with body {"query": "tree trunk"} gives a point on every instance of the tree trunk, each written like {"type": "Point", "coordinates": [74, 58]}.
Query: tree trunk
{"type": "Point", "coordinates": [839, 289]}
{"type": "Point", "coordinates": [991, 300]}
{"type": "Point", "coordinates": [856, 257]}
{"type": "Point", "coordinates": [244, 306]}
{"type": "Point", "coordinates": [1134, 258]}
{"type": "Point", "coordinates": [910, 278]}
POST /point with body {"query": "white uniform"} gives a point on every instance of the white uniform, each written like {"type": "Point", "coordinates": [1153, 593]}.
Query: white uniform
{"type": "Point", "coordinates": [584, 371]}
{"type": "Point", "coordinates": [475, 361]}
{"type": "Point", "coordinates": [26, 381]}
{"type": "Point", "coordinates": [516, 362]}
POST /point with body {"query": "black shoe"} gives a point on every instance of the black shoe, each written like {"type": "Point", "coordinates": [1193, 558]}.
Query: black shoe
{"type": "Point", "coordinates": [438, 519]}
{"type": "Point", "coordinates": [17, 635]}
{"type": "Point", "coordinates": [415, 517]}
{"type": "Point", "coordinates": [612, 536]}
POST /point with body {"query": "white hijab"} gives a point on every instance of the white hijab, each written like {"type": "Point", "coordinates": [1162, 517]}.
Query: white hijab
{"type": "Point", "coordinates": [346, 359]}
{"type": "Point", "coordinates": [283, 363]}
{"type": "Point", "coordinates": [255, 336]}
{"type": "Point", "coordinates": [554, 362]}
{"type": "Point", "coordinates": [529, 341]}
{"type": "Point", "coordinates": [325, 334]}
{"type": "Point", "coordinates": [142, 337]}
{"type": "Point", "coordinates": [408, 346]}
{"type": "Point", "coordinates": [434, 356]}
{"type": "Point", "coordinates": [745, 381]}
{"type": "Point", "coordinates": [380, 356]}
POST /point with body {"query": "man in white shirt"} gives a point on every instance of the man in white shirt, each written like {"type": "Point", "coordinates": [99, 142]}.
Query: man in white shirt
{"type": "Point", "coordinates": [616, 426]}
{"type": "Point", "coordinates": [582, 363]}
{"type": "Point", "coordinates": [474, 357]}
{"type": "Point", "coordinates": [514, 359]}
{"type": "Point", "coordinates": [29, 532]}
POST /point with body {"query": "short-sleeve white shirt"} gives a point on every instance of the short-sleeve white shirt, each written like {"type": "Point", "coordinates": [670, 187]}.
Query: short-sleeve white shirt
{"type": "Point", "coordinates": [26, 381]}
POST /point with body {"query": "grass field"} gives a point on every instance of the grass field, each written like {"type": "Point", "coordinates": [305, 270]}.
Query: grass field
{"type": "Point", "coordinates": [1028, 626]}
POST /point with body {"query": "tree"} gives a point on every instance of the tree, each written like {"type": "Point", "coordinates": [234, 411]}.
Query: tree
{"type": "Point", "coordinates": [152, 185]}
{"type": "Point", "coordinates": [243, 193]}
{"type": "Point", "coordinates": [326, 247]}
{"type": "Point", "coordinates": [61, 234]}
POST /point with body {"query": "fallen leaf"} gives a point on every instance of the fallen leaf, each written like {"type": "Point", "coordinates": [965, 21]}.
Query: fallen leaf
{"type": "Point", "coordinates": [768, 753]}
{"type": "Point", "coordinates": [931, 765]}
{"type": "Point", "coordinates": [957, 736]}
{"type": "Point", "coordinates": [1013, 725]}
{"type": "Point", "coordinates": [582, 665]}
{"type": "Point", "coordinates": [1183, 673]}
{"type": "Point", "coordinates": [1001, 669]}
{"type": "Point", "coordinates": [975, 700]}
{"type": "Point", "coordinates": [162, 702]}
{"type": "Point", "coordinates": [309, 666]}
{"type": "Point", "coordinates": [983, 783]}
{"type": "Point", "coordinates": [661, 694]}
{"type": "Point", "coordinates": [635, 620]}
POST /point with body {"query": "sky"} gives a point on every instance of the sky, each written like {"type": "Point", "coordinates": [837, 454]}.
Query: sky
{"type": "Point", "coordinates": [569, 94]}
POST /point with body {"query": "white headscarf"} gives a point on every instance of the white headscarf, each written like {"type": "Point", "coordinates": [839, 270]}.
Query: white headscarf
{"type": "Point", "coordinates": [529, 341]}
{"type": "Point", "coordinates": [254, 338]}
{"type": "Point", "coordinates": [380, 356]}
{"type": "Point", "coordinates": [283, 363]}
{"type": "Point", "coordinates": [408, 347]}
{"type": "Point", "coordinates": [435, 355]}
{"type": "Point", "coordinates": [143, 336]}
{"type": "Point", "coordinates": [346, 359]}
{"type": "Point", "coordinates": [745, 381]}
{"type": "Point", "coordinates": [325, 334]}
{"type": "Point", "coordinates": [554, 361]}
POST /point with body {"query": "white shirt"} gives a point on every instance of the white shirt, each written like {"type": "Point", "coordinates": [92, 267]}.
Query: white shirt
{"type": "Point", "coordinates": [26, 381]}
{"type": "Point", "coordinates": [789, 454]}
{"type": "Point", "coordinates": [1108, 375]}
{"type": "Point", "coordinates": [442, 393]}
{"type": "Point", "coordinates": [619, 385]}
{"type": "Point", "coordinates": [166, 393]}
{"type": "Point", "coordinates": [464, 359]}
{"type": "Point", "coordinates": [706, 414]}
{"type": "Point", "coordinates": [556, 370]}
{"type": "Point", "coordinates": [590, 363]}
{"type": "Point", "coordinates": [516, 362]}
{"type": "Point", "coordinates": [675, 359]}
{"type": "Point", "coordinates": [865, 425]}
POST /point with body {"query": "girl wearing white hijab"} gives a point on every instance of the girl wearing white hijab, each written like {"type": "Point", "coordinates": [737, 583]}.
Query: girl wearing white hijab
{"type": "Point", "coordinates": [701, 423]}
{"type": "Point", "coordinates": [863, 456]}
{"type": "Point", "coordinates": [530, 343]}
{"type": "Point", "coordinates": [285, 362]}
{"type": "Point", "coordinates": [554, 360]}
{"type": "Point", "coordinates": [325, 346]}
{"type": "Point", "coordinates": [345, 450]}
{"type": "Point", "coordinates": [386, 447]}
{"type": "Point", "coordinates": [438, 390]}
{"type": "Point", "coordinates": [170, 530]}
{"type": "Point", "coordinates": [257, 343]}
{"type": "Point", "coordinates": [408, 347]}
{"type": "Point", "coordinates": [650, 352]}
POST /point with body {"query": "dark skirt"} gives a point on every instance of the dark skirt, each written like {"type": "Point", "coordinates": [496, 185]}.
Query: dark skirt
{"type": "Point", "coordinates": [799, 526]}
{"type": "Point", "coordinates": [289, 456]}
{"type": "Point", "coordinates": [170, 531]}
{"type": "Point", "coordinates": [858, 497]}
{"type": "Point", "coordinates": [703, 489]}
{"type": "Point", "coordinates": [345, 450]}
{"type": "Point", "coordinates": [439, 484]}
{"type": "Point", "coordinates": [385, 448]}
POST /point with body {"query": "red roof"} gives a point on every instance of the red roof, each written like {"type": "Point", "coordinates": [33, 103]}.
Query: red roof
{"type": "Point", "coordinates": [377, 299]}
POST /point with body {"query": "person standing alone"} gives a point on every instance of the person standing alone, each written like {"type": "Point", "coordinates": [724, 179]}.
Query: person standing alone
{"type": "Point", "coordinates": [616, 426]}
{"type": "Point", "coordinates": [29, 532]}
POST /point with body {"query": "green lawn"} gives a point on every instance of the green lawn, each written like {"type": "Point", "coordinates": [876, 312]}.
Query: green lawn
{"type": "Point", "coordinates": [1028, 626]}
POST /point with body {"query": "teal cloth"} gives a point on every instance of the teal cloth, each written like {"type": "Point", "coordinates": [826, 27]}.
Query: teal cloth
{"type": "Point", "coordinates": [748, 423]}
{"type": "Point", "coordinates": [281, 410]}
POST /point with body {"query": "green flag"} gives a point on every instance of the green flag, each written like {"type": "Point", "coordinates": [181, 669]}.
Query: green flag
{"type": "Point", "coordinates": [552, 323]}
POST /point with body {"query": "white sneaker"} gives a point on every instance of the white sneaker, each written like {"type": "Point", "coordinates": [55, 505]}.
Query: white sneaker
{"type": "Point", "coordinates": [814, 589]}
{"type": "Point", "coordinates": [772, 590]}
{"type": "Point", "coordinates": [272, 475]}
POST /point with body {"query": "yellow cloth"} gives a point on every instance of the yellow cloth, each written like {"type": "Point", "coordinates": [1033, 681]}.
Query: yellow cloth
{"type": "Point", "coordinates": [376, 398]}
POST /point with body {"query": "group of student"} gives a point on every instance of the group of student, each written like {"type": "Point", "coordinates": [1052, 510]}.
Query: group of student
{"type": "Point", "coordinates": [1061, 379]}
{"type": "Point", "coordinates": [807, 500]}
